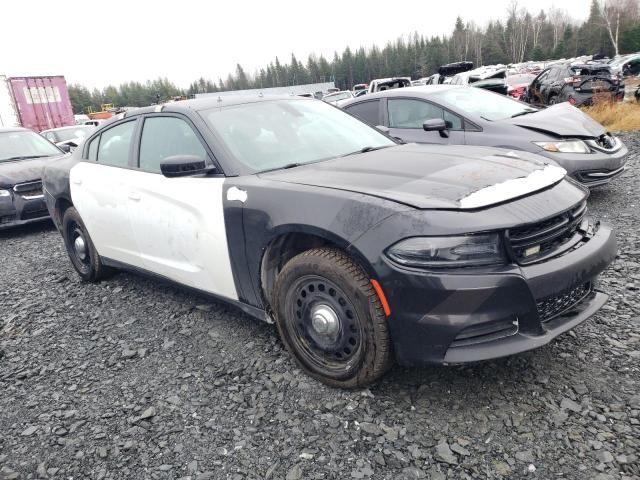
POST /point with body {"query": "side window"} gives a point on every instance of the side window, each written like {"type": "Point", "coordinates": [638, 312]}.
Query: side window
{"type": "Point", "coordinates": [453, 122]}
{"type": "Point", "coordinates": [368, 112]}
{"type": "Point", "coordinates": [93, 149]}
{"type": "Point", "coordinates": [115, 143]}
{"type": "Point", "coordinates": [408, 113]}
{"type": "Point", "coordinates": [165, 137]}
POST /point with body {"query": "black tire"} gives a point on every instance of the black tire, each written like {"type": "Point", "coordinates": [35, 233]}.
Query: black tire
{"type": "Point", "coordinates": [326, 283]}
{"type": "Point", "coordinates": [86, 261]}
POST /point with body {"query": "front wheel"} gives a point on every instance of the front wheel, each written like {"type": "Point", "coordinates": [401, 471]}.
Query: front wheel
{"type": "Point", "coordinates": [331, 320]}
{"type": "Point", "coordinates": [80, 248]}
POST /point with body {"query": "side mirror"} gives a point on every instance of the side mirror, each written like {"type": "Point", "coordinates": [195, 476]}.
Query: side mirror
{"type": "Point", "coordinates": [436, 125]}
{"type": "Point", "coordinates": [65, 147]}
{"type": "Point", "coordinates": [184, 166]}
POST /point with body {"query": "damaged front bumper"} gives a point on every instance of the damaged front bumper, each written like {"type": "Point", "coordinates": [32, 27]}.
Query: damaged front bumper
{"type": "Point", "coordinates": [483, 314]}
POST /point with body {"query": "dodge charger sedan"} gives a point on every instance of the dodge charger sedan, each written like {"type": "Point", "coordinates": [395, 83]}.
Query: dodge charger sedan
{"type": "Point", "coordinates": [23, 155]}
{"type": "Point", "coordinates": [457, 115]}
{"type": "Point", "coordinates": [361, 250]}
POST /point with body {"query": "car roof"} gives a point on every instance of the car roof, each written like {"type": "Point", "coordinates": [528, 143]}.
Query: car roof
{"type": "Point", "coordinates": [208, 102]}
{"type": "Point", "coordinates": [418, 91]}
{"type": "Point", "coordinates": [14, 129]}
{"type": "Point", "coordinates": [69, 127]}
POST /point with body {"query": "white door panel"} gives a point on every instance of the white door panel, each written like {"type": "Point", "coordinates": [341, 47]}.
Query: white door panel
{"type": "Point", "coordinates": [180, 230]}
{"type": "Point", "coordinates": [98, 193]}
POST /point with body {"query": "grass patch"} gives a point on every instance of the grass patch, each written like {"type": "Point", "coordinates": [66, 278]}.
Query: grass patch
{"type": "Point", "coordinates": [616, 116]}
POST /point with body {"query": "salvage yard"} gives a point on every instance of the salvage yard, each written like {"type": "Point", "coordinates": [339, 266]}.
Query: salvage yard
{"type": "Point", "coordinates": [133, 378]}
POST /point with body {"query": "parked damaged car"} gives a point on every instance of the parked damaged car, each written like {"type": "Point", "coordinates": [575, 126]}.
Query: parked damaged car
{"type": "Point", "coordinates": [23, 155]}
{"type": "Point", "coordinates": [361, 250]}
{"type": "Point", "coordinates": [454, 115]}
{"type": "Point", "coordinates": [576, 84]}
{"type": "Point", "coordinates": [68, 138]}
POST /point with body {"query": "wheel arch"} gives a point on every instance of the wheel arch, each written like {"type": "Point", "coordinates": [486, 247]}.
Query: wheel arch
{"type": "Point", "coordinates": [62, 204]}
{"type": "Point", "coordinates": [287, 241]}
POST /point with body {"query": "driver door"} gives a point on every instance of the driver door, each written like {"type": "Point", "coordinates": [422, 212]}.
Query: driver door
{"type": "Point", "coordinates": [534, 92]}
{"type": "Point", "coordinates": [405, 117]}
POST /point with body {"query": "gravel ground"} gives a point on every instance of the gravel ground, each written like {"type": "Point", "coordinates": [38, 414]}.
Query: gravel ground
{"type": "Point", "coordinates": [134, 378]}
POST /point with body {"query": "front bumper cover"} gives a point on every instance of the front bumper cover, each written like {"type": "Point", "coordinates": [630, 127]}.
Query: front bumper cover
{"type": "Point", "coordinates": [430, 311]}
{"type": "Point", "coordinates": [19, 209]}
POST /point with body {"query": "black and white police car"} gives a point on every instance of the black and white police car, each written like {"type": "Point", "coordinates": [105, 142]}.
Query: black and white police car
{"type": "Point", "coordinates": [360, 249]}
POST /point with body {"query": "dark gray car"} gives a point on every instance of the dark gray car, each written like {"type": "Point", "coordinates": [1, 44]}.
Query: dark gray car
{"type": "Point", "coordinates": [459, 115]}
{"type": "Point", "coordinates": [23, 156]}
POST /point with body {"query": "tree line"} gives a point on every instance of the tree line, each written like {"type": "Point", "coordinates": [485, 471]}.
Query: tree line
{"type": "Point", "coordinates": [612, 28]}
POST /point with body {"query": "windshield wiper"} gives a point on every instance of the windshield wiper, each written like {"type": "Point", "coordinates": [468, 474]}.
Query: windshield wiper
{"type": "Point", "coordinates": [284, 167]}
{"type": "Point", "coordinates": [366, 149]}
{"type": "Point", "coordinates": [23, 157]}
{"type": "Point", "coordinates": [524, 112]}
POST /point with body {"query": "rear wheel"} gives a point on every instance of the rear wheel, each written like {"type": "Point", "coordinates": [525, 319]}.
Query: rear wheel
{"type": "Point", "coordinates": [331, 320]}
{"type": "Point", "coordinates": [80, 248]}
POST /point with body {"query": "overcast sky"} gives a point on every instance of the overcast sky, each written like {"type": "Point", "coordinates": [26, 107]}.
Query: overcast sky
{"type": "Point", "coordinates": [110, 42]}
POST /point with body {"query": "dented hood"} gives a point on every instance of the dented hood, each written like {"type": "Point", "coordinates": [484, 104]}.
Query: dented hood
{"type": "Point", "coordinates": [431, 176]}
{"type": "Point", "coordinates": [21, 171]}
{"type": "Point", "coordinates": [561, 120]}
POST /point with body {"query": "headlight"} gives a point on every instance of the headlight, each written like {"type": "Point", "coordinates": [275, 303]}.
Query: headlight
{"type": "Point", "coordinates": [568, 146]}
{"type": "Point", "coordinates": [4, 193]}
{"type": "Point", "coordinates": [446, 252]}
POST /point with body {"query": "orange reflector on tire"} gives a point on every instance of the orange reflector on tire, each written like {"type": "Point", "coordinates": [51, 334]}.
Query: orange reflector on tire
{"type": "Point", "coordinates": [381, 296]}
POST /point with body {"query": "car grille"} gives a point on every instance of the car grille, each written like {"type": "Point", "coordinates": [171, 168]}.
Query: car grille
{"type": "Point", "coordinates": [535, 242]}
{"type": "Point", "coordinates": [28, 189]}
{"type": "Point", "coordinates": [555, 305]}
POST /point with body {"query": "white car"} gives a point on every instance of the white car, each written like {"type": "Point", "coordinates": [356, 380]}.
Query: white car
{"type": "Point", "coordinates": [338, 98]}
{"type": "Point", "coordinates": [68, 138]}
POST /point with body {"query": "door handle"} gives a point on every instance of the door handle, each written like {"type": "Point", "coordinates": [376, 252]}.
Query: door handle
{"type": "Point", "coordinates": [135, 196]}
{"type": "Point", "coordinates": [76, 181]}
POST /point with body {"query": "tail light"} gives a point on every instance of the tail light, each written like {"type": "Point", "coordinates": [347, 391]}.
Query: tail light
{"type": "Point", "coordinates": [572, 100]}
{"type": "Point", "coordinates": [516, 92]}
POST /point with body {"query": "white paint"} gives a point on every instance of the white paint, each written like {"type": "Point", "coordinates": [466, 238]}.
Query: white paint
{"type": "Point", "coordinates": [99, 193]}
{"type": "Point", "coordinates": [236, 194]}
{"type": "Point", "coordinates": [512, 188]}
{"type": "Point", "coordinates": [173, 227]}
{"type": "Point", "coordinates": [158, 108]}
{"type": "Point", "coordinates": [179, 227]}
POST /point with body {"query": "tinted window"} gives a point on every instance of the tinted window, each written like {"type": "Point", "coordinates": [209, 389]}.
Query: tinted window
{"type": "Point", "coordinates": [453, 122]}
{"type": "Point", "coordinates": [115, 143]}
{"type": "Point", "coordinates": [407, 113]}
{"type": "Point", "coordinates": [164, 137]}
{"type": "Point", "coordinates": [366, 111]}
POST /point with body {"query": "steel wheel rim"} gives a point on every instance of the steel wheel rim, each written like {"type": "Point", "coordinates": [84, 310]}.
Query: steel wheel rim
{"type": "Point", "coordinates": [78, 245]}
{"type": "Point", "coordinates": [324, 326]}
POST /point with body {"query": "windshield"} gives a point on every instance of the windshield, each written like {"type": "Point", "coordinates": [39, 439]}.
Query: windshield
{"type": "Point", "coordinates": [72, 133]}
{"type": "Point", "coordinates": [482, 103]}
{"type": "Point", "coordinates": [274, 134]}
{"type": "Point", "coordinates": [18, 144]}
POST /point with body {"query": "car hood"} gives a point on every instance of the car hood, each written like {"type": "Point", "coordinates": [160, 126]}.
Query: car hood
{"type": "Point", "coordinates": [561, 120]}
{"type": "Point", "coordinates": [22, 171]}
{"type": "Point", "coordinates": [431, 176]}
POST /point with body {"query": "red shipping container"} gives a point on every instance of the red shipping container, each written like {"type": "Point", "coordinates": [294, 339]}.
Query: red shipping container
{"type": "Point", "coordinates": [42, 102]}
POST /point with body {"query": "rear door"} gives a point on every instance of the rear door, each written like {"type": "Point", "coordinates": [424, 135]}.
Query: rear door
{"type": "Point", "coordinates": [179, 222]}
{"type": "Point", "coordinates": [405, 117]}
{"type": "Point", "coordinates": [99, 188]}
